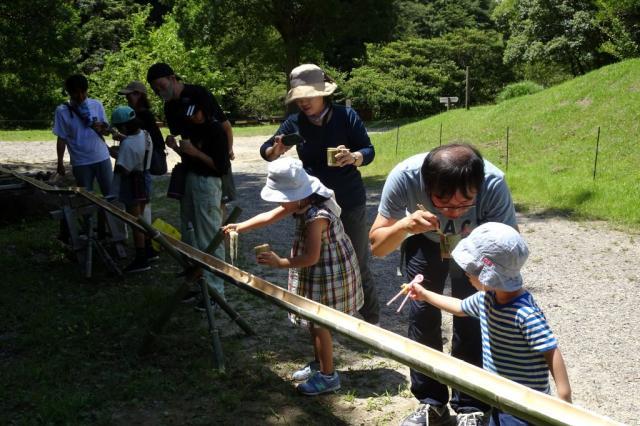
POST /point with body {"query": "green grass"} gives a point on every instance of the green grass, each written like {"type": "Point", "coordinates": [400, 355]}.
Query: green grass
{"type": "Point", "coordinates": [47, 135]}
{"type": "Point", "coordinates": [262, 130]}
{"type": "Point", "coordinates": [551, 144]}
{"type": "Point", "coordinates": [27, 135]}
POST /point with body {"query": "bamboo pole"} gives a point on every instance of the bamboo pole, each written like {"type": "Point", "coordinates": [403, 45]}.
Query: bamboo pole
{"type": "Point", "coordinates": [490, 388]}
{"type": "Point", "coordinates": [497, 391]}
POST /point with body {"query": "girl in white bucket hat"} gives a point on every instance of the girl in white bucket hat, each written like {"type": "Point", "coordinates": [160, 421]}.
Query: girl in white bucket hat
{"type": "Point", "coordinates": [323, 265]}
{"type": "Point", "coordinates": [330, 131]}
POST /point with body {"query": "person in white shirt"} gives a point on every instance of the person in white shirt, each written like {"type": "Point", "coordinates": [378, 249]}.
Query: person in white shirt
{"type": "Point", "coordinates": [79, 125]}
{"type": "Point", "coordinates": [133, 158]}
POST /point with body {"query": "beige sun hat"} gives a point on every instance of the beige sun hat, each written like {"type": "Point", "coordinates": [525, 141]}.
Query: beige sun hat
{"type": "Point", "coordinates": [309, 81]}
{"type": "Point", "coordinates": [134, 86]}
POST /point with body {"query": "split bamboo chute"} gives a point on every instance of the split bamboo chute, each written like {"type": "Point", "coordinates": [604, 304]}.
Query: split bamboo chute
{"type": "Point", "coordinates": [490, 388]}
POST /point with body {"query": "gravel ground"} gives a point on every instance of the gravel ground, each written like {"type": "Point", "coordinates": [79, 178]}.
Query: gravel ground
{"type": "Point", "coordinates": [582, 274]}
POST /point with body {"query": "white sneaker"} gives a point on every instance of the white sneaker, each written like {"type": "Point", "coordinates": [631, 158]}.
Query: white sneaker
{"type": "Point", "coordinates": [475, 418]}
{"type": "Point", "coordinates": [305, 372]}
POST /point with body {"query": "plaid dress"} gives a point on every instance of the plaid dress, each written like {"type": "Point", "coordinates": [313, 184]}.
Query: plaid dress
{"type": "Point", "coordinates": [335, 280]}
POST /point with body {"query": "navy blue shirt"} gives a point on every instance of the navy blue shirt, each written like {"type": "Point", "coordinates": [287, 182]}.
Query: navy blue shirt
{"type": "Point", "coordinates": [344, 127]}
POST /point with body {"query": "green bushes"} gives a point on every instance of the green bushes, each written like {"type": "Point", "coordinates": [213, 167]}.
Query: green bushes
{"type": "Point", "coordinates": [519, 89]}
{"type": "Point", "coordinates": [405, 78]}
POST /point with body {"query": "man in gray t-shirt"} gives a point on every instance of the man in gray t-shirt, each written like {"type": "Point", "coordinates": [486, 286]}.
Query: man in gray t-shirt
{"type": "Point", "coordinates": [429, 202]}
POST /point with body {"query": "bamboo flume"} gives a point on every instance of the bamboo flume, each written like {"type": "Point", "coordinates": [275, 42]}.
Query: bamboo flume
{"type": "Point", "coordinates": [497, 391]}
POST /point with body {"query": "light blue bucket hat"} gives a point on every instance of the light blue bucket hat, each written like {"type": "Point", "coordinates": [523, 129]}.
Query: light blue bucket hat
{"type": "Point", "coordinates": [495, 252]}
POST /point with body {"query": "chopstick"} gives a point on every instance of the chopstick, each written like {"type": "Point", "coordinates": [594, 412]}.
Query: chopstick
{"type": "Point", "coordinates": [421, 207]}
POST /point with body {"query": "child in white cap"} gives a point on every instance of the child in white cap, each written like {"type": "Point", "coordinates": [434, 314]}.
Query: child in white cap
{"type": "Point", "coordinates": [323, 265]}
{"type": "Point", "coordinates": [517, 342]}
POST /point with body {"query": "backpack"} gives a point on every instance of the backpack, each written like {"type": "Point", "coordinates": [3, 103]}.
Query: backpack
{"type": "Point", "coordinates": [158, 164]}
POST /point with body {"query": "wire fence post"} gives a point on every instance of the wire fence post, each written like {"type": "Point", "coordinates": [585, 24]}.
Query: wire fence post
{"type": "Point", "coordinates": [397, 139]}
{"type": "Point", "coordinates": [507, 167]}
{"type": "Point", "coordinates": [595, 164]}
{"type": "Point", "coordinates": [440, 134]}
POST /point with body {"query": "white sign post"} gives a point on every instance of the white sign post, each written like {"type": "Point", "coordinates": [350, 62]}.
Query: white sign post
{"type": "Point", "coordinates": [448, 100]}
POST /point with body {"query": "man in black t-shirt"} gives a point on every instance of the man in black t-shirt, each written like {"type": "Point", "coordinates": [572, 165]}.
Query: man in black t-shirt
{"type": "Point", "coordinates": [192, 112]}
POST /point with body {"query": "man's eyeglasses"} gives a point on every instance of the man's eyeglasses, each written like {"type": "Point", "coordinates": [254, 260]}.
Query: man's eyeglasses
{"type": "Point", "coordinates": [452, 208]}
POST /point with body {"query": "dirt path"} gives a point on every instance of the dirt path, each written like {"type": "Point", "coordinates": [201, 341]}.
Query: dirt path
{"type": "Point", "coordinates": [583, 274]}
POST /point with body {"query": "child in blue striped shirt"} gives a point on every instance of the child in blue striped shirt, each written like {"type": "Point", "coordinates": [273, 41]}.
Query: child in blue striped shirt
{"type": "Point", "coordinates": [517, 342]}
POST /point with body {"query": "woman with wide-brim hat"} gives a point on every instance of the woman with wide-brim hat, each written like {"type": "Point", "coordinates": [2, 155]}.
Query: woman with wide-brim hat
{"type": "Point", "coordinates": [323, 124]}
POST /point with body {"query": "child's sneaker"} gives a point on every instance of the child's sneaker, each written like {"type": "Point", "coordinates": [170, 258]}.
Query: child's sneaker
{"type": "Point", "coordinates": [138, 265]}
{"type": "Point", "coordinates": [152, 254]}
{"type": "Point", "coordinates": [319, 384]}
{"type": "Point", "coordinates": [305, 372]}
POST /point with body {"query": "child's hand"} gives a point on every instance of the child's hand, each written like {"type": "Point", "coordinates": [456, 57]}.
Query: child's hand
{"type": "Point", "coordinates": [170, 141]}
{"type": "Point", "coordinates": [113, 151]}
{"type": "Point", "coordinates": [269, 258]}
{"type": "Point", "coordinates": [416, 291]}
{"type": "Point", "coordinates": [117, 136]}
{"type": "Point", "coordinates": [230, 227]}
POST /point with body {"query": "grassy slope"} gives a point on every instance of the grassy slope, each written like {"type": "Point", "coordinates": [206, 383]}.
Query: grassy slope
{"type": "Point", "coordinates": [552, 144]}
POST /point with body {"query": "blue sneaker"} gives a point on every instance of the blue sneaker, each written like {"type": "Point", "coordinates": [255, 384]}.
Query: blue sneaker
{"type": "Point", "coordinates": [319, 384]}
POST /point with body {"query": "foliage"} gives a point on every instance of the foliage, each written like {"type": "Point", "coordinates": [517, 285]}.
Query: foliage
{"type": "Point", "coordinates": [620, 21]}
{"type": "Point", "coordinates": [552, 144]}
{"type": "Point", "coordinates": [265, 99]}
{"type": "Point", "coordinates": [37, 50]}
{"type": "Point", "coordinates": [307, 30]}
{"type": "Point", "coordinates": [518, 89]}
{"type": "Point", "coordinates": [562, 31]}
{"type": "Point", "coordinates": [105, 24]}
{"type": "Point", "coordinates": [147, 46]}
{"type": "Point", "coordinates": [405, 78]}
{"type": "Point", "coordinates": [427, 19]}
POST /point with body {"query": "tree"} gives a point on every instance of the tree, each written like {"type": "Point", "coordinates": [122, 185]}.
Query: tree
{"type": "Point", "coordinates": [433, 18]}
{"type": "Point", "coordinates": [562, 31]}
{"type": "Point", "coordinates": [620, 21]}
{"type": "Point", "coordinates": [147, 46]}
{"type": "Point", "coordinates": [306, 29]}
{"type": "Point", "coordinates": [405, 78]}
{"type": "Point", "coordinates": [38, 48]}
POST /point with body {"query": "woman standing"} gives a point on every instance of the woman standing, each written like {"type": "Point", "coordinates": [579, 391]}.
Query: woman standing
{"type": "Point", "coordinates": [323, 124]}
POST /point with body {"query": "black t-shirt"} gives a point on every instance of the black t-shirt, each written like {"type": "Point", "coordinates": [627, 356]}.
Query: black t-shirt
{"type": "Point", "coordinates": [191, 95]}
{"type": "Point", "coordinates": [211, 139]}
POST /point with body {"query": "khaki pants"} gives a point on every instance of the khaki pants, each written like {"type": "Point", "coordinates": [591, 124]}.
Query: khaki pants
{"type": "Point", "coordinates": [200, 209]}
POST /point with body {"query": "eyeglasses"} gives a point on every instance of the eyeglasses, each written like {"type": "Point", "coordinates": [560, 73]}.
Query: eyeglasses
{"type": "Point", "coordinates": [452, 208]}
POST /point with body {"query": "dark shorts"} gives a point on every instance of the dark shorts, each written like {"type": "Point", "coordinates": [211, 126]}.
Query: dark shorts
{"type": "Point", "coordinates": [135, 188]}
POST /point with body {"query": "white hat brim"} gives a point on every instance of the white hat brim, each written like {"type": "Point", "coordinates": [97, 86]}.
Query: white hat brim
{"type": "Point", "coordinates": [314, 186]}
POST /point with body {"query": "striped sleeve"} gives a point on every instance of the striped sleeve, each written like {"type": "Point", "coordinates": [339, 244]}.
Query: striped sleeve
{"type": "Point", "coordinates": [537, 333]}
{"type": "Point", "coordinates": [471, 305]}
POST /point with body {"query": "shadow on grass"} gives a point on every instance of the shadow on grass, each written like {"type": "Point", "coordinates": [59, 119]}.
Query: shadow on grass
{"type": "Point", "coordinates": [69, 349]}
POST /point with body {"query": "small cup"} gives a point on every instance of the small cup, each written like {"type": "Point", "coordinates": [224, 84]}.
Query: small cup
{"type": "Point", "coordinates": [331, 157]}
{"type": "Point", "coordinates": [262, 248]}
